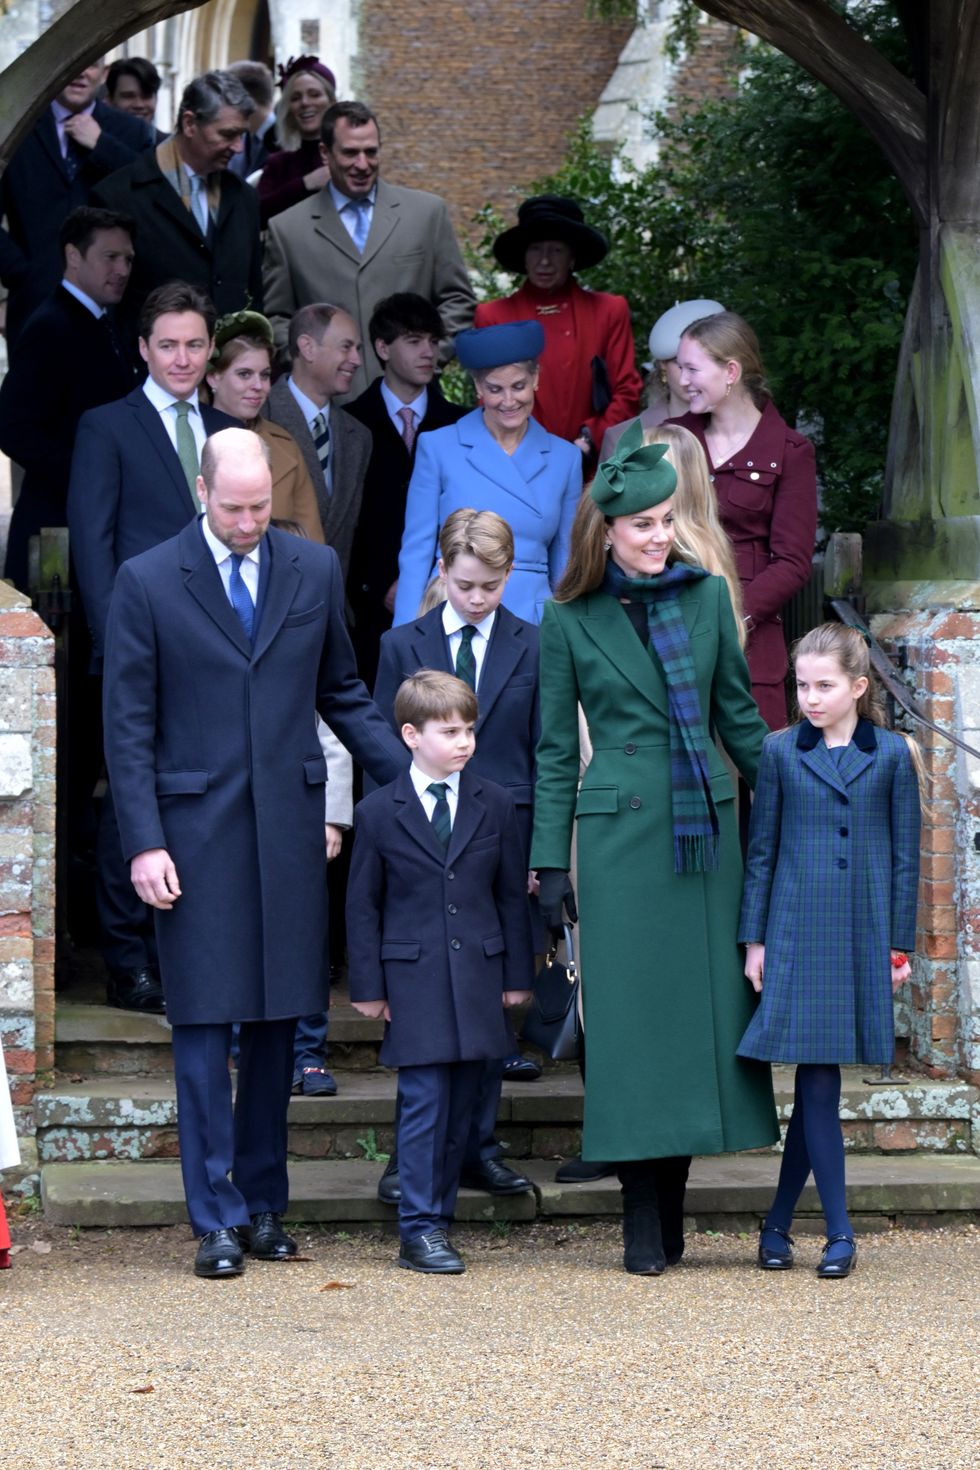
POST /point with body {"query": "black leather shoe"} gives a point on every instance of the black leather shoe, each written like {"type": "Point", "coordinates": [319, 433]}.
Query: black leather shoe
{"type": "Point", "coordinates": [135, 990]}
{"type": "Point", "coordinates": [582, 1171]}
{"type": "Point", "coordinates": [775, 1257]}
{"type": "Point", "coordinates": [431, 1254]}
{"type": "Point", "coordinates": [389, 1185]}
{"type": "Point", "coordinates": [219, 1254]}
{"type": "Point", "coordinates": [493, 1177]}
{"type": "Point", "coordinates": [643, 1247]}
{"type": "Point", "coordinates": [265, 1238]}
{"type": "Point", "coordinates": [839, 1266]}
{"type": "Point", "coordinates": [521, 1069]}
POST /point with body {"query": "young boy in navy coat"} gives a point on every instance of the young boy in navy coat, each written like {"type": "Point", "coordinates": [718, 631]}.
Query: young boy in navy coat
{"type": "Point", "coordinates": [439, 943]}
{"type": "Point", "coordinates": [496, 653]}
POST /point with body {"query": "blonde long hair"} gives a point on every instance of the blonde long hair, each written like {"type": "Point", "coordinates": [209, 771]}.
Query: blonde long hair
{"type": "Point", "coordinates": [700, 540]}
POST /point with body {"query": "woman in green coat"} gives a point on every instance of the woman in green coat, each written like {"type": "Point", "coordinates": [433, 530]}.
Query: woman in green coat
{"type": "Point", "coordinates": [646, 639]}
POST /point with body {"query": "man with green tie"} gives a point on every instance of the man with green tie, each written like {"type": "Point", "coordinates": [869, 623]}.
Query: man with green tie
{"type": "Point", "coordinates": [133, 476]}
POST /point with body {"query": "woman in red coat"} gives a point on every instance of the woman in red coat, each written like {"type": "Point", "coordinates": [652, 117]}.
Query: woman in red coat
{"type": "Point", "coordinates": [588, 378]}
{"type": "Point", "coordinates": [764, 475]}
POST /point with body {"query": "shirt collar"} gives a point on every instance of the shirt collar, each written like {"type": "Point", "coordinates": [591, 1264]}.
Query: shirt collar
{"type": "Point", "coordinates": [452, 622]}
{"type": "Point", "coordinates": [307, 407]}
{"type": "Point", "coordinates": [90, 305]}
{"type": "Point", "coordinates": [162, 398]}
{"type": "Point", "coordinates": [422, 782]}
{"type": "Point", "coordinates": [341, 200]}
{"type": "Point", "coordinates": [393, 403]}
{"type": "Point", "coordinates": [62, 113]}
{"type": "Point", "coordinates": [219, 550]}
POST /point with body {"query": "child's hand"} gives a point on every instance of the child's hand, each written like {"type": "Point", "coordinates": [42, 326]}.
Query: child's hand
{"type": "Point", "coordinates": [902, 972]}
{"type": "Point", "coordinates": [515, 997]}
{"type": "Point", "coordinates": [533, 886]}
{"type": "Point", "coordinates": [335, 839]}
{"type": "Point", "coordinates": [755, 959]}
{"type": "Point", "coordinates": [373, 1009]}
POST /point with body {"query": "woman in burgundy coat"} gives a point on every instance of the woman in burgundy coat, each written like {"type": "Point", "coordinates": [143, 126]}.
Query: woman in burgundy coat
{"type": "Point", "coordinates": [764, 474]}
{"type": "Point", "coordinates": [298, 170]}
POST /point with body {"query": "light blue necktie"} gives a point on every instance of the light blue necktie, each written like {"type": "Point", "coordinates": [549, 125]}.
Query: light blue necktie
{"type": "Point", "coordinates": [241, 598]}
{"type": "Point", "coordinates": [199, 202]}
{"type": "Point", "coordinates": [358, 210]}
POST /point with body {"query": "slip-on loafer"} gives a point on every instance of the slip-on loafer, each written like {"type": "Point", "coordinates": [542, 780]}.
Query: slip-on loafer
{"type": "Point", "coordinates": [521, 1069]}
{"type": "Point", "coordinates": [493, 1177]}
{"type": "Point", "coordinates": [775, 1257]}
{"type": "Point", "coordinates": [219, 1254]}
{"type": "Point", "coordinates": [265, 1238]}
{"type": "Point", "coordinates": [840, 1266]}
{"type": "Point", "coordinates": [431, 1254]}
{"type": "Point", "coordinates": [390, 1185]}
{"type": "Point", "coordinates": [315, 1082]}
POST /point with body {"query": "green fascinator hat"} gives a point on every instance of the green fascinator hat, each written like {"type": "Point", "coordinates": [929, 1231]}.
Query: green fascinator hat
{"type": "Point", "coordinates": [241, 324]}
{"type": "Point", "coordinates": [634, 477]}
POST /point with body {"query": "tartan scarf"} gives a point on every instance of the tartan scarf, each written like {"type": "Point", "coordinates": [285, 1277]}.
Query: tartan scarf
{"type": "Point", "coordinates": [695, 819]}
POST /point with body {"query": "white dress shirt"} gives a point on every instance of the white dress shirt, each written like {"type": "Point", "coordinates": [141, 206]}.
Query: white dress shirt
{"type": "Point", "coordinates": [453, 625]}
{"type": "Point", "coordinates": [222, 555]}
{"type": "Point", "coordinates": [348, 217]}
{"type": "Point", "coordinates": [86, 301]}
{"type": "Point", "coordinates": [163, 401]}
{"type": "Point", "coordinates": [420, 781]}
{"type": "Point", "coordinates": [311, 411]}
{"type": "Point", "coordinates": [394, 406]}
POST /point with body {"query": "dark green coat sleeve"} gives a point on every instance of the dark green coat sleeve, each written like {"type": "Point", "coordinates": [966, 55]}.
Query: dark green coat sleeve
{"type": "Point", "coordinates": [558, 748]}
{"type": "Point", "coordinates": [735, 717]}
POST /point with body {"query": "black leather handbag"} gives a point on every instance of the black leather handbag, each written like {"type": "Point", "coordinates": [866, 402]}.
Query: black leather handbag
{"type": "Point", "coordinates": [551, 1023]}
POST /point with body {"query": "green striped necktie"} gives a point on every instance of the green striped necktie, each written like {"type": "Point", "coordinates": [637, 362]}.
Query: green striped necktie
{"type": "Point", "coordinates": [441, 822]}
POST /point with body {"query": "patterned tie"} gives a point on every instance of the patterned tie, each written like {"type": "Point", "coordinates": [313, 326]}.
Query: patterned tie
{"type": "Point", "coordinates": [321, 440]}
{"type": "Point", "coordinates": [358, 211]}
{"type": "Point", "coordinates": [442, 824]}
{"type": "Point", "coordinates": [73, 158]}
{"type": "Point", "coordinates": [465, 657]}
{"type": "Point", "coordinates": [187, 451]}
{"type": "Point", "coordinates": [241, 598]}
{"type": "Point", "coordinates": [407, 416]}
{"type": "Point", "coordinates": [199, 202]}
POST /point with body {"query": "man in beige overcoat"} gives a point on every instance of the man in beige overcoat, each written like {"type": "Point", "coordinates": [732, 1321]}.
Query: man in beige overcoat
{"type": "Point", "coordinates": [359, 240]}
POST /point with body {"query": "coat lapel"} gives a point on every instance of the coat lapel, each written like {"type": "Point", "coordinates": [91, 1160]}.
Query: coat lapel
{"type": "Point", "coordinates": [470, 812]}
{"type": "Point", "coordinates": [47, 133]}
{"type": "Point", "coordinates": [203, 581]}
{"type": "Point", "coordinates": [504, 653]}
{"type": "Point", "coordinates": [607, 624]}
{"type": "Point", "coordinates": [149, 421]}
{"type": "Point", "coordinates": [430, 645]}
{"type": "Point", "coordinates": [856, 758]}
{"type": "Point", "coordinates": [280, 589]}
{"type": "Point", "coordinates": [511, 472]}
{"type": "Point", "coordinates": [411, 815]}
{"type": "Point", "coordinates": [328, 224]}
{"type": "Point", "coordinates": [383, 221]}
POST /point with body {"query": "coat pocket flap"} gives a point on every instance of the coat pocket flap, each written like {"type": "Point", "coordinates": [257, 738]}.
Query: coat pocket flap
{"type": "Point", "coordinates": [596, 800]}
{"type": "Point", "coordinates": [306, 616]}
{"type": "Point", "coordinates": [181, 783]}
{"type": "Point", "coordinates": [494, 945]}
{"type": "Point", "coordinates": [399, 949]}
{"type": "Point", "coordinates": [316, 771]}
{"type": "Point", "coordinates": [521, 795]}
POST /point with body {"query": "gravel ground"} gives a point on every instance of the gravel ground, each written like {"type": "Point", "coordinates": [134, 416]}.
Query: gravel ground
{"type": "Point", "coordinates": [544, 1354]}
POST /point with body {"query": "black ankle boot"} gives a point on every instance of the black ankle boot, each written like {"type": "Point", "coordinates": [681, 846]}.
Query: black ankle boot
{"type": "Point", "coordinates": [643, 1253]}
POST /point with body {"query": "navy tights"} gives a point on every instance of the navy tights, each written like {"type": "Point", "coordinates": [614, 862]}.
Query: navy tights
{"type": "Point", "coordinates": [814, 1142]}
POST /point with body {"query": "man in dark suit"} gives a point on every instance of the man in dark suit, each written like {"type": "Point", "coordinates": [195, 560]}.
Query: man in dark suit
{"type": "Point", "coordinates": [220, 644]}
{"type": "Point", "coordinates": [133, 479]}
{"type": "Point", "coordinates": [261, 138]}
{"type": "Point", "coordinates": [325, 353]}
{"type": "Point", "coordinates": [197, 222]}
{"type": "Point", "coordinates": [74, 144]}
{"type": "Point", "coordinates": [406, 400]}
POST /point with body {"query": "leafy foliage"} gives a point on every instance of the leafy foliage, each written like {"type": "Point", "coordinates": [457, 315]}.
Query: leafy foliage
{"type": "Point", "coordinates": [778, 203]}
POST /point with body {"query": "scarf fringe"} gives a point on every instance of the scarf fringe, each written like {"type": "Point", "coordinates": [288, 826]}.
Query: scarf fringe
{"type": "Point", "coordinates": [699, 854]}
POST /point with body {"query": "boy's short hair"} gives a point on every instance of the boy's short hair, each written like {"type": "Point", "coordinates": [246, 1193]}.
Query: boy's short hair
{"type": "Point", "coordinates": [432, 695]}
{"type": "Point", "coordinates": [479, 533]}
{"type": "Point", "coordinates": [402, 315]}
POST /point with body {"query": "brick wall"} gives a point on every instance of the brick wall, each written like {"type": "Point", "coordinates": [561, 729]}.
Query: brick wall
{"type": "Point", "coordinates": [477, 100]}
{"type": "Point", "coordinates": [27, 849]}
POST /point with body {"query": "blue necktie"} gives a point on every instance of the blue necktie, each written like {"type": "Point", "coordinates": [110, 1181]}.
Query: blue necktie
{"type": "Point", "coordinates": [199, 202]}
{"type": "Point", "coordinates": [358, 210]}
{"type": "Point", "coordinates": [241, 599]}
{"type": "Point", "coordinates": [441, 821]}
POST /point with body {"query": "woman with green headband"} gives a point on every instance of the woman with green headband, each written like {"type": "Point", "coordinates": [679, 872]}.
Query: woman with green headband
{"type": "Point", "coordinates": [239, 376]}
{"type": "Point", "coordinates": [646, 641]}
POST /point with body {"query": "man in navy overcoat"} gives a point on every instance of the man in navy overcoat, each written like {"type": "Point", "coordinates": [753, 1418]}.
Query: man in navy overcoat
{"type": "Point", "coordinates": [221, 644]}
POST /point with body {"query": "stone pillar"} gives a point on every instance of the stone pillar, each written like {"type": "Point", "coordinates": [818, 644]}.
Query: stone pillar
{"type": "Point", "coordinates": [27, 853]}
{"type": "Point", "coordinates": [939, 651]}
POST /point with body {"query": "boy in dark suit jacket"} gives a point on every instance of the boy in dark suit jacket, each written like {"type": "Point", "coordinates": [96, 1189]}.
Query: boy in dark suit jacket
{"type": "Point", "coordinates": [439, 943]}
{"type": "Point", "coordinates": [473, 636]}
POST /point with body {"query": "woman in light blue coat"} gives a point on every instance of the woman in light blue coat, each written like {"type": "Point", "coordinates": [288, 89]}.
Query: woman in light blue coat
{"type": "Point", "coordinates": [495, 458]}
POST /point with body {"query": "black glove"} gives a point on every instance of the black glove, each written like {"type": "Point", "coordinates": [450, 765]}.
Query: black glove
{"type": "Point", "coordinates": [556, 893]}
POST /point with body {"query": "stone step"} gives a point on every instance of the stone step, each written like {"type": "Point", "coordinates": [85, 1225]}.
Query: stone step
{"type": "Point", "coordinates": [726, 1193]}
{"type": "Point", "coordinates": [134, 1117]}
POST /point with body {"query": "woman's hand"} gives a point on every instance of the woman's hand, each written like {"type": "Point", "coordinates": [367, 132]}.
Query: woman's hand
{"type": "Point", "coordinates": [318, 179]}
{"type": "Point", "coordinates": [373, 1009]}
{"type": "Point", "coordinates": [755, 959]}
{"type": "Point", "coordinates": [902, 971]}
{"type": "Point", "coordinates": [516, 997]}
{"type": "Point", "coordinates": [335, 840]}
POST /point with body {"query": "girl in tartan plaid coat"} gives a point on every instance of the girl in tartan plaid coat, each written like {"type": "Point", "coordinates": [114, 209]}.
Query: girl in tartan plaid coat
{"type": "Point", "coordinates": [828, 913]}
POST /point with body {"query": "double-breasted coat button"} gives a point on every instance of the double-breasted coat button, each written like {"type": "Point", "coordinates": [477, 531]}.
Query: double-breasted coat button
{"type": "Point", "coordinates": [629, 749]}
{"type": "Point", "coordinates": [844, 831]}
{"type": "Point", "coordinates": [455, 944]}
{"type": "Point", "coordinates": [749, 463]}
{"type": "Point", "coordinates": [842, 862]}
{"type": "Point", "coordinates": [635, 803]}
{"type": "Point", "coordinates": [450, 874]}
{"type": "Point", "coordinates": [453, 909]}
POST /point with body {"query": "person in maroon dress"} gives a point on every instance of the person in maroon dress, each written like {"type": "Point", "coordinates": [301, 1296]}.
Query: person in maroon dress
{"type": "Point", "coordinates": [588, 378]}
{"type": "Point", "coordinates": [764, 474]}
{"type": "Point", "coordinates": [298, 169]}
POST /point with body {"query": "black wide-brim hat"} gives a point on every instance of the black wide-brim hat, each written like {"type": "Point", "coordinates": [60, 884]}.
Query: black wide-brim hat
{"type": "Point", "coordinates": [550, 217]}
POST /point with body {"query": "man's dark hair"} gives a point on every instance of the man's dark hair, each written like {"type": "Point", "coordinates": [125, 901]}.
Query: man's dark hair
{"type": "Point", "coordinates": [147, 77]}
{"type": "Point", "coordinates": [176, 296]}
{"type": "Point", "coordinates": [354, 113]}
{"type": "Point", "coordinates": [84, 223]}
{"type": "Point", "coordinates": [206, 95]}
{"type": "Point", "coordinates": [256, 78]}
{"type": "Point", "coordinates": [310, 321]}
{"type": "Point", "coordinates": [404, 314]}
